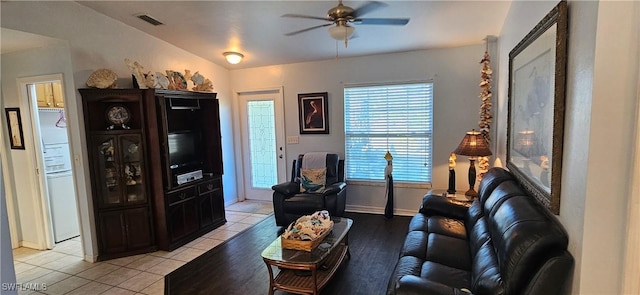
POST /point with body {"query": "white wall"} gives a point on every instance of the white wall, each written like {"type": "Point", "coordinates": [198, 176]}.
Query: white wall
{"type": "Point", "coordinates": [96, 41]}
{"type": "Point", "coordinates": [7, 272]}
{"type": "Point", "coordinates": [456, 74]}
{"type": "Point", "coordinates": [601, 76]}
{"type": "Point", "coordinates": [35, 62]}
{"type": "Point", "coordinates": [600, 101]}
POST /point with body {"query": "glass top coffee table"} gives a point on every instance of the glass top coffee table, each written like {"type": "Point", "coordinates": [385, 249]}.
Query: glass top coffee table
{"type": "Point", "coordinates": [304, 272]}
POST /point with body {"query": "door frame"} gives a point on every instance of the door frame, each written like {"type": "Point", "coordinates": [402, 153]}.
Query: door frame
{"type": "Point", "coordinates": [280, 124]}
{"type": "Point", "coordinates": [631, 271]}
{"type": "Point", "coordinates": [41, 206]}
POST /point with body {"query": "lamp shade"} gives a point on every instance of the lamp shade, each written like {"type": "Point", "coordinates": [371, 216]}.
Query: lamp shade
{"type": "Point", "coordinates": [473, 145]}
{"type": "Point", "coordinates": [233, 57]}
{"type": "Point", "coordinates": [341, 32]}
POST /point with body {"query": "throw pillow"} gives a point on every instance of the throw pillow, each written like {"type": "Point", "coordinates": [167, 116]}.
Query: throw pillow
{"type": "Point", "coordinates": [313, 180]}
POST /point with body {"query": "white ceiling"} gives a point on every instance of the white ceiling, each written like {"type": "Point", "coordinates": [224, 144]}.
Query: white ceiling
{"type": "Point", "coordinates": [256, 28]}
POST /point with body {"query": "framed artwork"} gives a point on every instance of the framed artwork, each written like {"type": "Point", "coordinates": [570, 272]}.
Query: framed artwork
{"type": "Point", "coordinates": [536, 108]}
{"type": "Point", "coordinates": [313, 113]}
{"type": "Point", "coordinates": [14, 123]}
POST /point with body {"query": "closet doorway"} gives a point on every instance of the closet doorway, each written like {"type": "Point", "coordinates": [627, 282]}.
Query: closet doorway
{"type": "Point", "coordinates": [57, 219]}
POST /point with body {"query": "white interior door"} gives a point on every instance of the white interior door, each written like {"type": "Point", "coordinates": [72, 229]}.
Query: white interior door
{"type": "Point", "coordinates": [263, 155]}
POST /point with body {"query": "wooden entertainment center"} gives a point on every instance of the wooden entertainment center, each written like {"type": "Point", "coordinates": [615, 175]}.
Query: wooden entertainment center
{"type": "Point", "coordinates": [163, 190]}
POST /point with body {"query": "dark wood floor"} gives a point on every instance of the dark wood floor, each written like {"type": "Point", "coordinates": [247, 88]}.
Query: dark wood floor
{"type": "Point", "coordinates": [236, 267]}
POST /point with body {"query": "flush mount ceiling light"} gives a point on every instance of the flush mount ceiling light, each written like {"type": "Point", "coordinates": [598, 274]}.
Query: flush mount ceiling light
{"type": "Point", "coordinates": [233, 57]}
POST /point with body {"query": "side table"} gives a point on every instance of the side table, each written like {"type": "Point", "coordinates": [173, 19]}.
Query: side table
{"type": "Point", "coordinates": [458, 196]}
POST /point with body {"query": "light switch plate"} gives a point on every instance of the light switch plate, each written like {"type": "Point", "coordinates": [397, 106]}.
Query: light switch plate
{"type": "Point", "coordinates": [292, 139]}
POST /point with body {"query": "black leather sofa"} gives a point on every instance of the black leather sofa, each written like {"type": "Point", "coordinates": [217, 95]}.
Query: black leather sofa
{"type": "Point", "coordinates": [289, 203]}
{"type": "Point", "coordinates": [502, 243]}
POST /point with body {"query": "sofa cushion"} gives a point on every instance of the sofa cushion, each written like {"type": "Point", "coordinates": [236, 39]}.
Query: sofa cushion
{"type": "Point", "coordinates": [415, 244]}
{"type": "Point", "coordinates": [473, 214]}
{"type": "Point", "coordinates": [491, 180]}
{"type": "Point", "coordinates": [478, 236]}
{"type": "Point", "coordinates": [441, 247]}
{"type": "Point", "coordinates": [524, 237]}
{"type": "Point", "coordinates": [501, 193]}
{"type": "Point", "coordinates": [447, 226]}
{"type": "Point", "coordinates": [419, 222]}
{"type": "Point", "coordinates": [304, 203]}
{"type": "Point", "coordinates": [406, 266]}
{"type": "Point", "coordinates": [485, 273]}
{"type": "Point", "coordinates": [446, 275]}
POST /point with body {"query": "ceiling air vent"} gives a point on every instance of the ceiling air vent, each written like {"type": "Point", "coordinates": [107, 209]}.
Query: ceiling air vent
{"type": "Point", "coordinates": [150, 19]}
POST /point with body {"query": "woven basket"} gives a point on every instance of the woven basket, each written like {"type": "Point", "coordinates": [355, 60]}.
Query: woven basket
{"type": "Point", "coordinates": [307, 246]}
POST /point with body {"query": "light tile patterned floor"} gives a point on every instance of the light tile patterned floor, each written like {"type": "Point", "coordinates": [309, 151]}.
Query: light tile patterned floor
{"type": "Point", "coordinates": [63, 271]}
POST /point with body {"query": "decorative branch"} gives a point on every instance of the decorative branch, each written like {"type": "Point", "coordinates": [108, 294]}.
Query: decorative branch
{"type": "Point", "coordinates": [485, 96]}
{"type": "Point", "coordinates": [485, 109]}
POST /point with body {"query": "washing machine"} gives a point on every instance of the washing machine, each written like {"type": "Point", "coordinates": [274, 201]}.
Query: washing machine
{"type": "Point", "coordinates": [62, 199]}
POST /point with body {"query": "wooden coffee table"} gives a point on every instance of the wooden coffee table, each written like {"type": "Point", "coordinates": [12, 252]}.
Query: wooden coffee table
{"type": "Point", "coordinates": [304, 272]}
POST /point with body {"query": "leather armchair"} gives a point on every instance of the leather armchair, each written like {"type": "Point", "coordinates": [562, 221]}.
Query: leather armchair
{"type": "Point", "coordinates": [289, 203]}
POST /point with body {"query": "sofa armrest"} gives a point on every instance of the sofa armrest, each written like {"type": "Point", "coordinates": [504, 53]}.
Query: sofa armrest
{"type": "Point", "coordinates": [287, 188]}
{"type": "Point", "coordinates": [438, 205]}
{"type": "Point", "coordinates": [414, 285]}
{"type": "Point", "coordinates": [334, 188]}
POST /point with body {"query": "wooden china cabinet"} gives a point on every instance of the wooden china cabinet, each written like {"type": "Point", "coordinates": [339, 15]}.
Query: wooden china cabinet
{"type": "Point", "coordinates": [155, 158]}
{"type": "Point", "coordinates": [114, 121]}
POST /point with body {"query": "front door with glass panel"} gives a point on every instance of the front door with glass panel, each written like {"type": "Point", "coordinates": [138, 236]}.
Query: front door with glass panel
{"type": "Point", "coordinates": [263, 153]}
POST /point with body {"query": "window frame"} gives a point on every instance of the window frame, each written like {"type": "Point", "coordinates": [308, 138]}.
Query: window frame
{"type": "Point", "coordinates": [426, 137]}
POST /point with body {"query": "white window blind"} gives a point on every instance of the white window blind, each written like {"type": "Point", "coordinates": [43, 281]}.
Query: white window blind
{"type": "Point", "coordinates": [398, 118]}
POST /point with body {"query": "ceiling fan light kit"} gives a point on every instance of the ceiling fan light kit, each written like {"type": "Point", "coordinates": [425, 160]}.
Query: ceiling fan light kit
{"type": "Point", "coordinates": [341, 32]}
{"type": "Point", "coordinates": [233, 57]}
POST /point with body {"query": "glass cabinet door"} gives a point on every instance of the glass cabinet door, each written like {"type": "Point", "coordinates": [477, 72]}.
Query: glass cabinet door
{"type": "Point", "coordinates": [108, 171]}
{"type": "Point", "coordinates": [133, 176]}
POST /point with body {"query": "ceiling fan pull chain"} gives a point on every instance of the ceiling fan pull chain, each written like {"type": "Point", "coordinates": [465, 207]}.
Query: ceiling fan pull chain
{"type": "Point", "coordinates": [346, 36]}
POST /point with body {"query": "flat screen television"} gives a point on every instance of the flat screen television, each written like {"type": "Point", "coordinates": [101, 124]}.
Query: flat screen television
{"type": "Point", "coordinates": [185, 151]}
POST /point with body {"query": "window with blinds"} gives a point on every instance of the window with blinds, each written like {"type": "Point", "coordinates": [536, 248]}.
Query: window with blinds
{"type": "Point", "coordinates": [393, 117]}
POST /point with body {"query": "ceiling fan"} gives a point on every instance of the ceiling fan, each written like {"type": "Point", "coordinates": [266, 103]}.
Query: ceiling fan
{"type": "Point", "coordinates": [341, 17]}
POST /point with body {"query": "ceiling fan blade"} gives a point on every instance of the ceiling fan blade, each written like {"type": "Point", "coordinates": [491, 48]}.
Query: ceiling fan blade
{"type": "Point", "coordinates": [367, 7]}
{"type": "Point", "coordinates": [305, 16]}
{"type": "Point", "coordinates": [381, 21]}
{"type": "Point", "coordinates": [307, 29]}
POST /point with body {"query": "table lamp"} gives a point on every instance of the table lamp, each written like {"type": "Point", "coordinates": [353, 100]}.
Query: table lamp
{"type": "Point", "coordinates": [473, 145]}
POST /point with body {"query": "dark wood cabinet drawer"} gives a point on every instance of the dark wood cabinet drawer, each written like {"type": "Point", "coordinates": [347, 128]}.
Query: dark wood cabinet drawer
{"type": "Point", "coordinates": [181, 195]}
{"type": "Point", "coordinates": [209, 186]}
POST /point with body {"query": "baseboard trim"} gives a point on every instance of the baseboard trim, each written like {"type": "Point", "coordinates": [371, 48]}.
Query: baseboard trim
{"type": "Point", "coordinates": [31, 245]}
{"type": "Point", "coordinates": [91, 258]}
{"type": "Point", "coordinates": [378, 210]}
